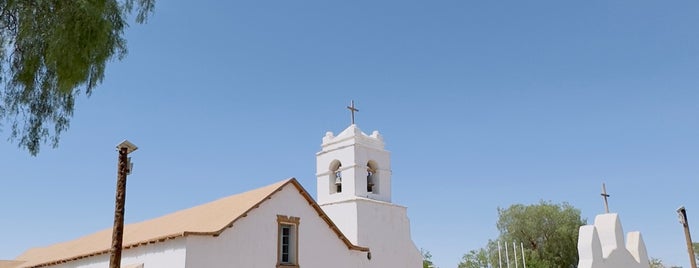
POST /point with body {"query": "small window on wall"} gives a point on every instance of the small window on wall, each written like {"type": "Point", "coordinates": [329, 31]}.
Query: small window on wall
{"type": "Point", "coordinates": [286, 253]}
{"type": "Point", "coordinates": [287, 241]}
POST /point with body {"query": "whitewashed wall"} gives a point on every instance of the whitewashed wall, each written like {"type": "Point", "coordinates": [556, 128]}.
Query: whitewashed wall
{"type": "Point", "coordinates": [169, 254]}
{"type": "Point", "coordinates": [385, 228]}
{"type": "Point", "coordinates": [381, 226]}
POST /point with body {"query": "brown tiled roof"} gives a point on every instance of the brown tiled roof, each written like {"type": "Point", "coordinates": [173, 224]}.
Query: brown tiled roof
{"type": "Point", "coordinates": [10, 264]}
{"type": "Point", "coordinates": [207, 219]}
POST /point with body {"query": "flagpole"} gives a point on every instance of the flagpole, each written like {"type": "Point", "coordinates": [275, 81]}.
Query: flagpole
{"type": "Point", "coordinates": [514, 249]}
{"type": "Point", "coordinates": [507, 256]}
{"type": "Point", "coordinates": [524, 262]}
{"type": "Point", "coordinates": [499, 255]}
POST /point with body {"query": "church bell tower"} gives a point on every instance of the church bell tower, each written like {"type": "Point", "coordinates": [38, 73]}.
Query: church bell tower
{"type": "Point", "coordinates": [353, 165]}
{"type": "Point", "coordinates": [353, 173]}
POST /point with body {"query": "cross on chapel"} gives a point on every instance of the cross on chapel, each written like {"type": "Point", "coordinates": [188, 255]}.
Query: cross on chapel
{"type": "Point", "coordinates": [605, 195]}
{"type": "Point", "coordinates": [352, 110]}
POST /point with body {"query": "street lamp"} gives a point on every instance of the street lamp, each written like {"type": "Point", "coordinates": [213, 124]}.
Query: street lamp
{"type": "Point", "coordinates": [124, 168]}
{"type": "Point", "coordinates": [682, 214]}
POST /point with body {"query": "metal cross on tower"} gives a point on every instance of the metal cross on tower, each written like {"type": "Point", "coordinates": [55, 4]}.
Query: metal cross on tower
{"type": "Point", "coordinates": [352, 110]}
{"type": "Point", "coordinates": [605, 195]}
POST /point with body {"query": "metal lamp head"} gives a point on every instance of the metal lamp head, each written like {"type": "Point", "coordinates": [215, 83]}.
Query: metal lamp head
{"type": "Point", "coordinates": [682, 215]}
{"type": "Point", "coordinates": [130, 147]}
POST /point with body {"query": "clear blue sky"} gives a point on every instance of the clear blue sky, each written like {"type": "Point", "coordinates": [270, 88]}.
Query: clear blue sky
{"type": "Point", "coordinates": [483, 104]}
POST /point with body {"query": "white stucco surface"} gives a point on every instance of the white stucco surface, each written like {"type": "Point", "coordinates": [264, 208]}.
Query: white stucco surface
{"type": "Point", "coordinates": [385, 228]}
{"type": "Point", "coordinates": [170, 253]}
{"type": "Point", "coordinates": [602, 245]}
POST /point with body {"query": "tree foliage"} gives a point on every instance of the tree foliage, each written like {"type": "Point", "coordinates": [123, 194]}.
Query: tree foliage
{"type": "Point", "coordinates": [475, 259]}
{"type": "Point", "coordinates": [52, 50]}
{"type": "Point", "coordinates": [548, 232]}
{"type": "Point", "coordinates": [656, 263]}
{"type": "Point", "coordinates": [695, 246]}
{"type": "Point", "coordinates": [427, 259]}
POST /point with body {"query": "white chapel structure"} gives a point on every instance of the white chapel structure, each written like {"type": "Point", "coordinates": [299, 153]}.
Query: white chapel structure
{"type": "Point", "coordinates": [602, 245]}
{"type": "Point", "coordinates": [351, 224]}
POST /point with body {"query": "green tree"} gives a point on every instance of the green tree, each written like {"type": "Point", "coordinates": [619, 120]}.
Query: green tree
{"type": "Point", "coordinates": [656, 263]}
{"type": "Point", "coordinates": [53, 50]}
{"type": "Point", "coordinates": [548, 232]}
{"type": "Point", "coordinates": [695, 246]}
{"type": "Point", "coordinates": [427, 259]}
{"type": "Point", "coordinates": [475, 259]}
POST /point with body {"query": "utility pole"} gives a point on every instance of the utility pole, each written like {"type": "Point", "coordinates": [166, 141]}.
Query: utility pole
{"type": "Point", "coordinates": [124, 168]}
{"type": "Point", "coordinates": [682, 214]}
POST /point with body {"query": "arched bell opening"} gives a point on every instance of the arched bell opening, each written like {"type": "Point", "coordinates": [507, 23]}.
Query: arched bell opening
{"type": "Point", "coordinates": [372, 177]}
{"type": "Point", "coordinates": [335, 177]}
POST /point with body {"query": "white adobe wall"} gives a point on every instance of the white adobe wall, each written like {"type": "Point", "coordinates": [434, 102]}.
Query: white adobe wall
{"type": "Point", "coordinates": [383, 227]}
{"type": "Point", "coordinates": [344, 215]}
{"type": "Point", "coordinates": [169, 254]}
{"type": "Point", "coordinates": [252, 242]}
{"type": "Point", "coordinates": [602, 245]}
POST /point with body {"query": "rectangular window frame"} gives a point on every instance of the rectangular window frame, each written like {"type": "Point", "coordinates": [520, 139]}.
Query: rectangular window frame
{"type": "Point", "coordinates": [290, 258]}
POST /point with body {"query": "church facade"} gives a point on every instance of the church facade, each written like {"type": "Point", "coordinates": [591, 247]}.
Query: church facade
{"type": "Point", "coordinates": [353, 223]}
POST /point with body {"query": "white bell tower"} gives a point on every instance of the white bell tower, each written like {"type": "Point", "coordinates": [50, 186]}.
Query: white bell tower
{"type": "Point", "coordinates": [353, 164]}
{"type": "Point", "coordinates": [353, 173]}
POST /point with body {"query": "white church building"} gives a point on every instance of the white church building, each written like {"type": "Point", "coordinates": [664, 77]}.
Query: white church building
{"type": "Point", "coordinates": [352, 223]}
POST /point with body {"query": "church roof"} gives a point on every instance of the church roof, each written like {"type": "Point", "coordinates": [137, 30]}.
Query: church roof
{"type": "Point", "coordinates": [207, 219]}
{"type": "Point", "coordinates": [9, 264]}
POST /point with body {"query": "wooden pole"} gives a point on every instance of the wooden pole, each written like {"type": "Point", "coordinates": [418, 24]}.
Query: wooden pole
{"type": "Point", "coordinates": [118, 231]}
{"type": "Point", "coordinates": [682, 213]}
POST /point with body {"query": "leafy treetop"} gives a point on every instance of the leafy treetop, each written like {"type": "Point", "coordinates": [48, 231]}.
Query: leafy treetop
{"type": "Point", "coordinates": [52, 50]}
{"type": "Point", "coordinates": [547, 231]}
